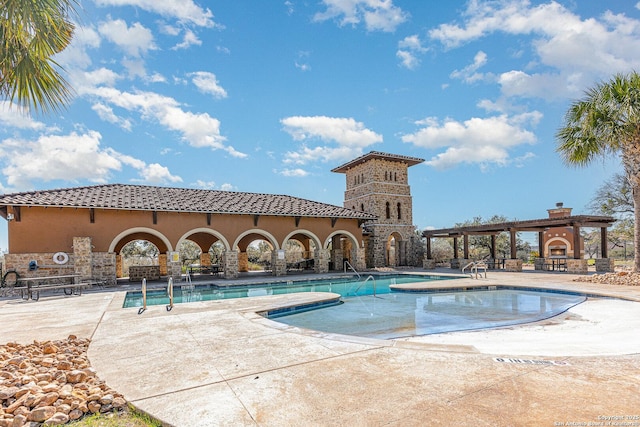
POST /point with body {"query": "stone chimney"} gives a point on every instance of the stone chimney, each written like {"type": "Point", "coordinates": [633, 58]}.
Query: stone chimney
{"type": "Point", "coordinates": [559, 211]}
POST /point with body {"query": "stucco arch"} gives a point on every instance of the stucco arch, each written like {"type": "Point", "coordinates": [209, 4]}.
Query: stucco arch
{"type": "Point", "coordinates": [272, 240]}
{"type": "Point", "coordinates": [554, 240]}
{"type": "Point", "coordinates": [306, 233]}
{"type": "Point", "coordinates": [353, 238]}
{"type": "Point", "coordinates": [215, 233]}
{"type": "Point", "coordinates": [140, 230]}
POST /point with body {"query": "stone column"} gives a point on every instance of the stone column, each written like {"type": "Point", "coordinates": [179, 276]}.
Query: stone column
{"type": "Point", "coordinates": [513, 265]}
{"type": "Point", "coordinates": [358, 255]}
{"type": "Point", "coordinates": [605, 265]}
{"type": "Point", "coordinates": [401, 256]}
{"type": "Point", "coordinates": [538, 264]}
{"type": "Point", "coordinates": [321, 261]}
{"type": "Point", "coordinates": [336, 258]}
{"type": "Point", "coordinates": [82, 256]}
{"type": "Point", "coordinates": [278, 263]}
{"type": "Point", "coordinates": [171, 264]}
{"type": "Point", "coordinates": [577, 266]}
{"type": "Point", "coordinates": [230, 264]}
{"type": "Point", "coordinates": [243, 261]}
{"type": "Point", "coordinates": [428, 264]}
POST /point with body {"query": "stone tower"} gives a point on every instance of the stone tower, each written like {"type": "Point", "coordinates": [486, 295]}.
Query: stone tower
{"type": "Point", "coordinates": [378, 183]}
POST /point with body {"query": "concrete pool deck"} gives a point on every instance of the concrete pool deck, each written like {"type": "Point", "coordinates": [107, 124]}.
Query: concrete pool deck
{"type": "Point", "coordinates": [218, 363]}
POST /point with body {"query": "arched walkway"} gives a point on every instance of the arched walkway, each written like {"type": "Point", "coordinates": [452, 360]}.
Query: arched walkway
{"type": "Point", "coordinates": [148, 234]}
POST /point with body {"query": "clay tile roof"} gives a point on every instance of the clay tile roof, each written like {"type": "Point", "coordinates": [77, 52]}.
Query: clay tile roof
{"type": "Point", "coordinates": [140, 197]}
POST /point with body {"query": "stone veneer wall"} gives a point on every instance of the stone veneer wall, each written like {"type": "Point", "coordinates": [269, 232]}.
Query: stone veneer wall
{"type": "Point", "coordinates": [605, 265]}
{"type": "Point", "coordinates": [577, 266]}
{"type": "Point", "coordinates": [513, 265]}
{"type": "Point", "coordinates": [377, 245]}
{"type": "Point", "coordinates": [46, 266]}
{"type": "Point", "coordinates": [139, 272]}
{"type": "Point", "coordinates": [82, 257]}
{"type": "Point", "coordinates": [278, 263]}
{"type": "Point", "coordinates": [321, 261]}
{"type": "Point", "coordinates": [370, 186]}
{"type": "Point", "coordinates": [104, 267]}
{"type": "Point", "coordinates": [229, 262]}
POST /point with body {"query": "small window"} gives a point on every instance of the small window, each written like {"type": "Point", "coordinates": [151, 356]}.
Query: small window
{"type": "Point", "coordinates": [362, 207]}
{"type": "Point", "coordinates": [399, 211]}
{"type": "Point", "coordinates": [388, 211]}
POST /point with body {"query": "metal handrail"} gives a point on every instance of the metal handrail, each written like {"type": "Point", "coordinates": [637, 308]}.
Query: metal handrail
{"type": "Point", "coordinates": [475, 265]}
{"type": "Point", "coordinates": [170, 293]}
{"type": "Point", "coordinates": [144, 296]}
{"type": "Point", "coordinates": [365, 282]}
{"type": "Point", "coordinates": [347, 263]}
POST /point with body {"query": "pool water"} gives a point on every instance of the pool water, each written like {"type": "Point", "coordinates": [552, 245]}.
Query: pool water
{"type": "Point", "coordinates": [345, 286]}
{"type": "Point", "coordinates": [396, 315]}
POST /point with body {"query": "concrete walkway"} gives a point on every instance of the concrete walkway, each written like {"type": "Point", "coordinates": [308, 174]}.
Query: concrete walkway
{"type": "Point", "coordinates": [219, 363]}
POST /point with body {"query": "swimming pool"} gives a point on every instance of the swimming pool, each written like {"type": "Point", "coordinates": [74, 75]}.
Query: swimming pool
{"type": "Point", "coordinates": [407, 314]}
{"type": "Point", "coordinates": [343, 285]}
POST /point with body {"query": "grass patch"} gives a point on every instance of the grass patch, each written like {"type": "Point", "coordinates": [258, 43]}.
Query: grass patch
{"type": "Point", "coordinates": [130, 418]}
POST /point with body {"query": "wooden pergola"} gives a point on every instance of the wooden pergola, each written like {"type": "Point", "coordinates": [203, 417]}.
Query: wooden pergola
{"type": "Point", "coordinates": [535, 225]}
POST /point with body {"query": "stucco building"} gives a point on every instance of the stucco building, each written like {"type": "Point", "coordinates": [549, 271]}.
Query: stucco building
{"type": "Point", "coordinates": [83, 230]}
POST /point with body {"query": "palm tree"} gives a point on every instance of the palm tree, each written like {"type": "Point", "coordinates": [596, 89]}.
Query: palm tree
{"type": "Point", "coordinates": [607, 122]}
{"type": "Point", "coordinates": [31, 32]}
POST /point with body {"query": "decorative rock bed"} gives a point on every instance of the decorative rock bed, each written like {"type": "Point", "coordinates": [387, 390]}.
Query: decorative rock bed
{"type": "Point", "coordinates": [620, 278]}
{"type": "Point", "coordinates": [51, 383]}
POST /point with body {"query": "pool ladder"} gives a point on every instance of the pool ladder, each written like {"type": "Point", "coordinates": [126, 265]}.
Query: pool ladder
{"type": "Point", "coordinates": [365, 283]}
{"type": "Point", "coordinates": [348, 264]}
{"type": "Point", "coordinates": [144, 295]}
{"type": "Point", "coordinates": [475, 266]}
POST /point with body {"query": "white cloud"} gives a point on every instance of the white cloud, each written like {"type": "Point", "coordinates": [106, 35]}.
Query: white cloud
{"type": "Point", "coordinates": [73, 157]}
{"type": "Point", "coordinates": [11, 117]}
{"type": "Point", "coordinates": [76, 55]}
{"type": "Point", "coordinates": [549, 86]}
{"type": "Point", "coordinates": [207, 185]}
{"type": "Point", "coordinates": [208, 83]}
{"type": "Point", "coordinates": [295, 173]}
{"type": "Point", "coordinates": [578, 51]}
{"type": "Point", "coordinates": [183, 10]}
{"type": "Point", "coordinates": [302, 66]}
{"type": "Point", "coordinates": [100, 77]}
{"type": "Point", "coordinates": [135, 68]}
{"type": "Point", "coordinates": [378, 15]}
{"type": "Point", "coordinates": [197, 129]}
{"type": "Point", "coordinates": [408, 49]}
{"type": "Point", "coordinates": [189, 39]}
{"type": "Point", "coordinates": [351, 138]}
{"type": "Point", "coordinates": [469, 73]}
{"type": "Point", "coordinates": [475, 141]}
{"type": "Point", "coordinates": [412, 43]}
{"type": "Point", "coordinates": [106, 113]}
{"type": "Point", "coordinates": [135, 40]}
{"type": "Point", "coordinates": [407, 59]}
{"type": "Point", "coordinates": [158, 174]}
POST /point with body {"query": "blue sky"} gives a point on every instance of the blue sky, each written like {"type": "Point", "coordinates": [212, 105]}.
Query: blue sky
{"type": "Point", "coordinates": [269, 96]}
